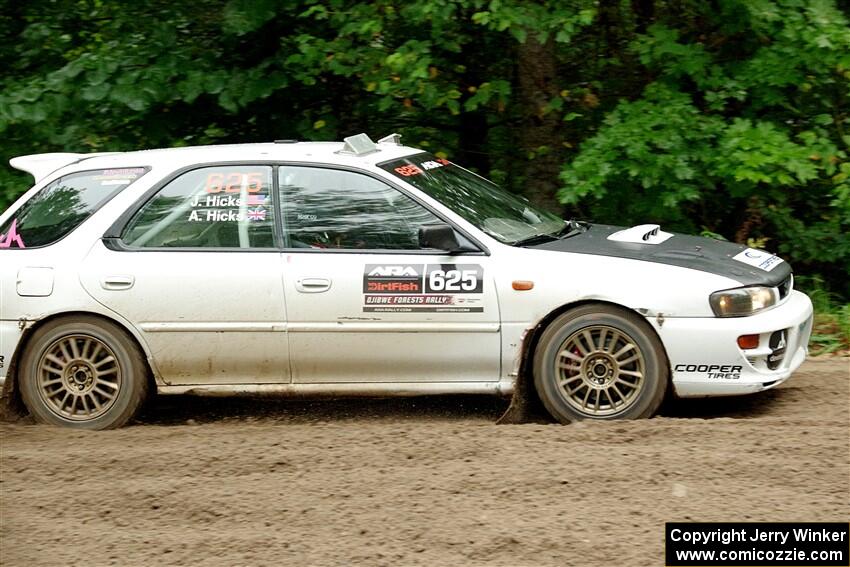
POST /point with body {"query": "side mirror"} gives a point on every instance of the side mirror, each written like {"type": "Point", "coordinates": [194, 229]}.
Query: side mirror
{"type": "Point", "coordinates": [440, 237]}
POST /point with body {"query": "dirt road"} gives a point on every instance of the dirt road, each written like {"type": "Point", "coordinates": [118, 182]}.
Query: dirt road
{"type": "Point", "coordinates": [417, 482]}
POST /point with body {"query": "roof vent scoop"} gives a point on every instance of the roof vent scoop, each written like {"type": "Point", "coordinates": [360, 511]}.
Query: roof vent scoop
{"type": "Point", "coordinates": [641, 234]}
{"type": "Point", "coordinates": [393, 138]}
{"type": "Point", "coordinates": [358, 145]}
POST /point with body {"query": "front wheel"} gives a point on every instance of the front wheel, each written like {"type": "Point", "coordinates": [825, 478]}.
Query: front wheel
{"type": "Point", "coordinates": [83, 372]}
{"type": "Point", "coordinates": [600, 362]}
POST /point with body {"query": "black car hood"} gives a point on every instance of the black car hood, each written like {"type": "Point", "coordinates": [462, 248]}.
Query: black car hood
{"type": "Point", "coordinates": [694, 252]}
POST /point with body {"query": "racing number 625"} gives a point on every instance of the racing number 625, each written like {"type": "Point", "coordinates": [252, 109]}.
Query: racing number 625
{"type": "Point", "coordinates": [233, 182]}
{"type": "Point", "coordinates": [453, 280]}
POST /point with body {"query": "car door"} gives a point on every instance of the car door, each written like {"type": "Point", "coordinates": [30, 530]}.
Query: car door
{"type": "Point", "coordinates": [197, 270]}
{"type": "Point", "coordinates": [364, 302]}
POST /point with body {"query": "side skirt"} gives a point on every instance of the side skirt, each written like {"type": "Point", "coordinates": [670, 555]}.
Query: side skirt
{"type": "Point", "coordinates": [389, 389]}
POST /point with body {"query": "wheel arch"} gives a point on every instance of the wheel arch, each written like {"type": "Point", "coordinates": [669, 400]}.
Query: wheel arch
{"type": "Point", "coordinates": [13, 404]}
{"type": "Point", "coordinates": [525, 404]}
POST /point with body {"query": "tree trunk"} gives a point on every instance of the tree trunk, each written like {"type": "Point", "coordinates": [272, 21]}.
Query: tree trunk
{"type": "Point", "coordinates": [644, 14]}
{"type": "Point", "coordinates": [539, 134]}
{"type": "Point", "coordinates": [472, 138]}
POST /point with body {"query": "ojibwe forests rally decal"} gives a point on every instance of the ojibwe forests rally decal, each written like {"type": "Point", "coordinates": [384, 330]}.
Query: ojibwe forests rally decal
{"type": "Point", "coordinates": [435, 288]}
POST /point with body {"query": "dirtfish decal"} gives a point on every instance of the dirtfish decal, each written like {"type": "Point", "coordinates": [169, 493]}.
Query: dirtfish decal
{"type": "Point", "coordinates": [404, 288]}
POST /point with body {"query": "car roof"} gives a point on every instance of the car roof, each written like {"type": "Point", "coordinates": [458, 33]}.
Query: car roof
{"type": "Point", "coordinates": [174, 158]}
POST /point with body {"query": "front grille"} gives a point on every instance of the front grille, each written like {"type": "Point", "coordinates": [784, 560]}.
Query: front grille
{"type": "Point", "coordinates": [785, 287]}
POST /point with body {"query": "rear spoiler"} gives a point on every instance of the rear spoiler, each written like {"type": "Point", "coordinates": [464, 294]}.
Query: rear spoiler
{"type": "Point", "coordinates": [42, 165]}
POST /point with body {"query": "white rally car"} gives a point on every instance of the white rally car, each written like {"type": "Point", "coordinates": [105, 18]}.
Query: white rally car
{"type": "Point", "coordinates": [362, 268]}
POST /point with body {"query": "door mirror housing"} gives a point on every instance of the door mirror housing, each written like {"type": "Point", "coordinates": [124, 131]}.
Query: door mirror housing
{"type": "Point", "coordinates": [441, 236]}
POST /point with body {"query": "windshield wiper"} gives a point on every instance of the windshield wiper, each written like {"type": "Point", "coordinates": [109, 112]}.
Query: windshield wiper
{"type": "Point", "coordinates": [536, 239]}
{"type": "Point", "coordinates": [572, 228]}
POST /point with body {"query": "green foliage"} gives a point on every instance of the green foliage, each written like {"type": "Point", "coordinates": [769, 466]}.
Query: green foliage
{"type": "Point", "coordinates": [729, 118]}
{"type": "Point", "coordinates": [741, 131]}
{"type": "Point", "coordinates": [651, 154]}
{"type": "Point", "coordinates": [831, 329]}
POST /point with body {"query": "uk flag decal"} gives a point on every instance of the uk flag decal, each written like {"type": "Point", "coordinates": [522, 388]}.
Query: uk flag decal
{"type": "Point", "coordinates": [256, 214]}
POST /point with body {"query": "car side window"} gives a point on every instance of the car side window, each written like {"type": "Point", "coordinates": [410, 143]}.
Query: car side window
{"type": "Point", "coordinates": [210, 207]}
{"type": "Point", "coordinates": [334, 209]}
{"type": "Point", "coordinates": [61, 206]}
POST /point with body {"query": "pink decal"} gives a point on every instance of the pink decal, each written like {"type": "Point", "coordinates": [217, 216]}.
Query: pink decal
{"type": "Point", "coordinates": [12, 236]}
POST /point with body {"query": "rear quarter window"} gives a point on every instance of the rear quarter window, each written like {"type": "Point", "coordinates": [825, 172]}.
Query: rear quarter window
{"type": "Point", "coordinates": [61, 206]}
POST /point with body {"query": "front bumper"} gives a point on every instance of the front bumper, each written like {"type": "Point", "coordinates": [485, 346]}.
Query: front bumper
{"type": "Point", "coordinates": [705, 359]}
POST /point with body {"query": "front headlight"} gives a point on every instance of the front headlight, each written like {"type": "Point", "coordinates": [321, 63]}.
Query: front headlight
{"type": "Point", "coordinates": [743, 301]}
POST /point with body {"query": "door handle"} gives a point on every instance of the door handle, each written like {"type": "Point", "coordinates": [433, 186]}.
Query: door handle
{"type": "Point", "coordinates": [117, 283]}
{"type": "Point", "coordinates": [312, 285]}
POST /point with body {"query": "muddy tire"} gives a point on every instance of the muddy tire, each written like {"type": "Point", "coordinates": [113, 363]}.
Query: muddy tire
{"type": "Point", "coordinates": [83, 372]}
{"type": "Point", "coordinates": [600, 362]}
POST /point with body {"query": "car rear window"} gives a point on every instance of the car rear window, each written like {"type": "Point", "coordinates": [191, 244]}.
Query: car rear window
{"type": "Point", "coordinates": [63, 205]}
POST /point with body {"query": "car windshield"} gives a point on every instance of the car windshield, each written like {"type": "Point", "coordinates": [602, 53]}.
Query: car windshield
{"type": "Point", "coordinates": [508, 218]}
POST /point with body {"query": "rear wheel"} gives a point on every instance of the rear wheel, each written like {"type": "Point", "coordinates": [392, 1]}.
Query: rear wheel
{"type": "Point", "coordinates": [83, 372]}
{"type": "Point", "coordinates": [600, 362]}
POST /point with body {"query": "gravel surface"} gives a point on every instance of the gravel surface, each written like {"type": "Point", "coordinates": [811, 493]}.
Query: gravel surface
{"type": "Point", "coordinates": [426, 481]}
